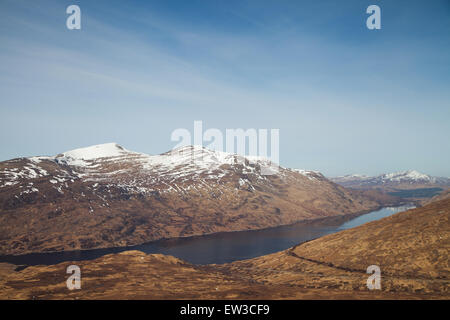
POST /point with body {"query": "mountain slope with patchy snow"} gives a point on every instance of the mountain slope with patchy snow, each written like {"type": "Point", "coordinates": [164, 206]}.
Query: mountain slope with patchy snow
{"type": "Point", "coordinates": [105, 195]}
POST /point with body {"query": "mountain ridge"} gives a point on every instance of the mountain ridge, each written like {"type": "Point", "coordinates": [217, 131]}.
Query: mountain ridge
{"type": "Point", "coordinates": [401, 179]}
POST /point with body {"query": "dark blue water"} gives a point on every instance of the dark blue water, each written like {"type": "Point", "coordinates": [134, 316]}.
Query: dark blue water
{"type": "Point", "coordinates": [221, 247]}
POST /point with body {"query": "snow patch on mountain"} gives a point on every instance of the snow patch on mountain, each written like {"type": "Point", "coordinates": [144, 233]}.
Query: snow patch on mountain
{"type": "Point", "coordinates": [78, 157]}
{"type": "Point", "coordinates": [310, 174]}
{"type": "Point", "coordinates": [10, 177]}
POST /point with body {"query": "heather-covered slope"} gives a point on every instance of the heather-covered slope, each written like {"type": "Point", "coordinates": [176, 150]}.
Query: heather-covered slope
{"type": "Point", "coordinates": [411, 248]}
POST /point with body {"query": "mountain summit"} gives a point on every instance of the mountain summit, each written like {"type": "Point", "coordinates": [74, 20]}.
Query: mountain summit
{"type": "Point", "coordinates": [106, 150]}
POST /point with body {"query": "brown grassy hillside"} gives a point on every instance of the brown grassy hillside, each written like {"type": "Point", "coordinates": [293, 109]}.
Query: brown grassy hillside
{"type": "Point", "coordinates": [411, 248]}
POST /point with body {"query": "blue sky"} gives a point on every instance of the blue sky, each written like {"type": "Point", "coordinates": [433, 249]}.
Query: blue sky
{"type": "Point", "coordinates": [346, 99]}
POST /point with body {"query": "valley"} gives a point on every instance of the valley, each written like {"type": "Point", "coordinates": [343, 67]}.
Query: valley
{"type": "Point", "coordinates": [218, 248]}
{"type": "Point", "coordinates": [105, 196]}
{"type": "Point", "coordinates": [411, 248]}
{"type": "Point", "coordinates": [193, 223]}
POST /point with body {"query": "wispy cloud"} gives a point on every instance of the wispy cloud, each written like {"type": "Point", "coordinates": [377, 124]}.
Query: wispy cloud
{"type": "Point", "coordinates": [342, 98]}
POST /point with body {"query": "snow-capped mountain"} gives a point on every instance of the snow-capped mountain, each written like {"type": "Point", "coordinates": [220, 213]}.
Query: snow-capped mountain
{"type": "Point", "coordinates": [139, 172]}
{"type": "Point", "coordinates": [106, 195]}
{"type": "Point", "coordinates": [405, 178]}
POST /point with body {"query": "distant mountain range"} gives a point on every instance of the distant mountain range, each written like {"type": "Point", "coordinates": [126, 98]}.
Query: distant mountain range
{"type": "Point", "coordinates": [105, 196]}
{"type": "Point", "coordinates": [405, 179]}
